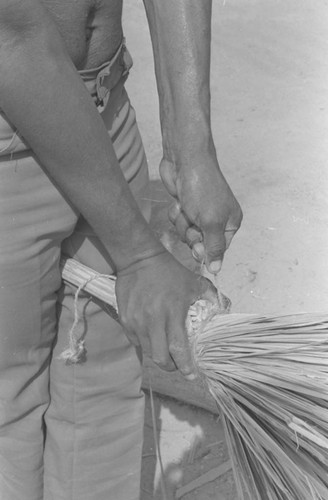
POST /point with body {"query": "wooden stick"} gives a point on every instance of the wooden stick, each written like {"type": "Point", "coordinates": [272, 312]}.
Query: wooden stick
{"type": "Point", "coordinates": [174, 385]}
{"type": "Point", "coordinates": [205, 478]}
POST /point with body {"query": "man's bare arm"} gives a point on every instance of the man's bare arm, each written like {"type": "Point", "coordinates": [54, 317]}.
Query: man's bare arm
{"type": "Point", "coordinates": [180, 31]}
{"type": "Point", "coordinates": [181, 37]}
{"type": "Point", "coordinates": [43, 96]}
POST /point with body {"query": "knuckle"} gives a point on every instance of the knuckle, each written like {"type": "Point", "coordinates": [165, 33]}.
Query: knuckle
{"type": "Point", "coordinates": [181, 358]}
{"type": "Point", "coordinates": [217, 246]}
{"type": "Point", "coordinates": [215, 243]}
{"type": "Point", "coordinates": [216, 253]}
{"type": "Point", "coordinates": [186, 370]}
{"type": "Point", "coordinates": [193, 235]}
{"type": "Point", "coordinates": [164, 364]}
{"type": "Point", "coordinates": [176, 351]}
{"type": "Point", "coordinates": [159, 361]}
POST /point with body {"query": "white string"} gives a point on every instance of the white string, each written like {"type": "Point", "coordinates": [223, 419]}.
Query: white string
{"type": "Point", "coordinates": [76, 351]}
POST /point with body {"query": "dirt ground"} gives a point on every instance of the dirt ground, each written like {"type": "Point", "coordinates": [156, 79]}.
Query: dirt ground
{"type": "Point", "coordinates": [270, 123]}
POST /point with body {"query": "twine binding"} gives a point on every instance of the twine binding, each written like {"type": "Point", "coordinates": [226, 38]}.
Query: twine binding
{"type": "Point", "coordinates": [76, 351]}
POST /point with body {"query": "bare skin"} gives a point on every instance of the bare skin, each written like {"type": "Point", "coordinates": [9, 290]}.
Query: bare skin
{"type": "Point", "coordinates": [91, 29]}
{"type": "Point", "coordinates": [42, 43]}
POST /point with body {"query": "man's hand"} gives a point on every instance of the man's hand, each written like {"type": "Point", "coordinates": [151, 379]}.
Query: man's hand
{"type": "Point", "coordinates": [153, 297]}
{"type": "Point", "coordinates": [206, 214]}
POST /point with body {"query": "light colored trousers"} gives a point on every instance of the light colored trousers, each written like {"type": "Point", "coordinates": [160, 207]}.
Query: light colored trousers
{"type": "Point", "coordinates": [67, 432]}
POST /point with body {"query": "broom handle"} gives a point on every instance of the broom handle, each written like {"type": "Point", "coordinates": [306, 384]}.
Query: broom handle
{"type": "Point", "coordinates": [98, 285]}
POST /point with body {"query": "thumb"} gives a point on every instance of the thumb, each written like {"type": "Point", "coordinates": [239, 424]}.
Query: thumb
{"type": "Point", "coordinates": [215, 246]}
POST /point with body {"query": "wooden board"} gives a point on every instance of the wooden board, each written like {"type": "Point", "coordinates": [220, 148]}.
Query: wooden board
{"type": "Point", "coordinates": [174, 385]}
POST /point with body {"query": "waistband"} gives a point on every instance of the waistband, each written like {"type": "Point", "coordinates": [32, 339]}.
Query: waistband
{"type": "Point", "coordinates": [102, 79]}
{"type": "Point", "coordinates": [99, 82]}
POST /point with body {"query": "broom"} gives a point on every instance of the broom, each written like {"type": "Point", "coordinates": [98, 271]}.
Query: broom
{"type": "Point", "coordinates": [269, 379]}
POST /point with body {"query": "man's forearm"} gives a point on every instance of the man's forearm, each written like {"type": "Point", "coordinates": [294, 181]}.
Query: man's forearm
{"type": "Point", "coordinates": [43, 96]}
{"type": "Point", "coordinates": [181, 32]}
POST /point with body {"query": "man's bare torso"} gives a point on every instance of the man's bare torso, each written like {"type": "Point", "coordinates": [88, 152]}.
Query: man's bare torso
{"type": "Point", "coordinates": [91, 29]}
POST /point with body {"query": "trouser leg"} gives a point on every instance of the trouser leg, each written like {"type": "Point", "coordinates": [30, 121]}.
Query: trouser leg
{"type": "Point", "coordinates": [33, 220]}
{"type": "Point", "coordinates": [24, 363]}
{"type": "Point", "coordinates": [95, 418]}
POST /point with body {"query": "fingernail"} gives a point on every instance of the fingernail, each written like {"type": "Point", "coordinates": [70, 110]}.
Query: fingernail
{"type": "Point", "coordinates": [198, 251]}
{"type": "Point", "coordinates": [215, 266]}
{"type": "Point", "coordinates": [195, 254]}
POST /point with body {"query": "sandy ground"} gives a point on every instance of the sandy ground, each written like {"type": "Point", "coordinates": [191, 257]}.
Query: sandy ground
{"type": "Point", "coordinates": [270, 121]}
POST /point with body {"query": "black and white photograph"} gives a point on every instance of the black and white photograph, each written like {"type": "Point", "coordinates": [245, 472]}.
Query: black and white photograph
{"type": "Point", "coordinates": [163, 250]}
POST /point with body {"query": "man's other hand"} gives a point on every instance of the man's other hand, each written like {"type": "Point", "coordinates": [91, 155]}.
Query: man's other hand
{"type": "Point", "coordinates": [205, 212]}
